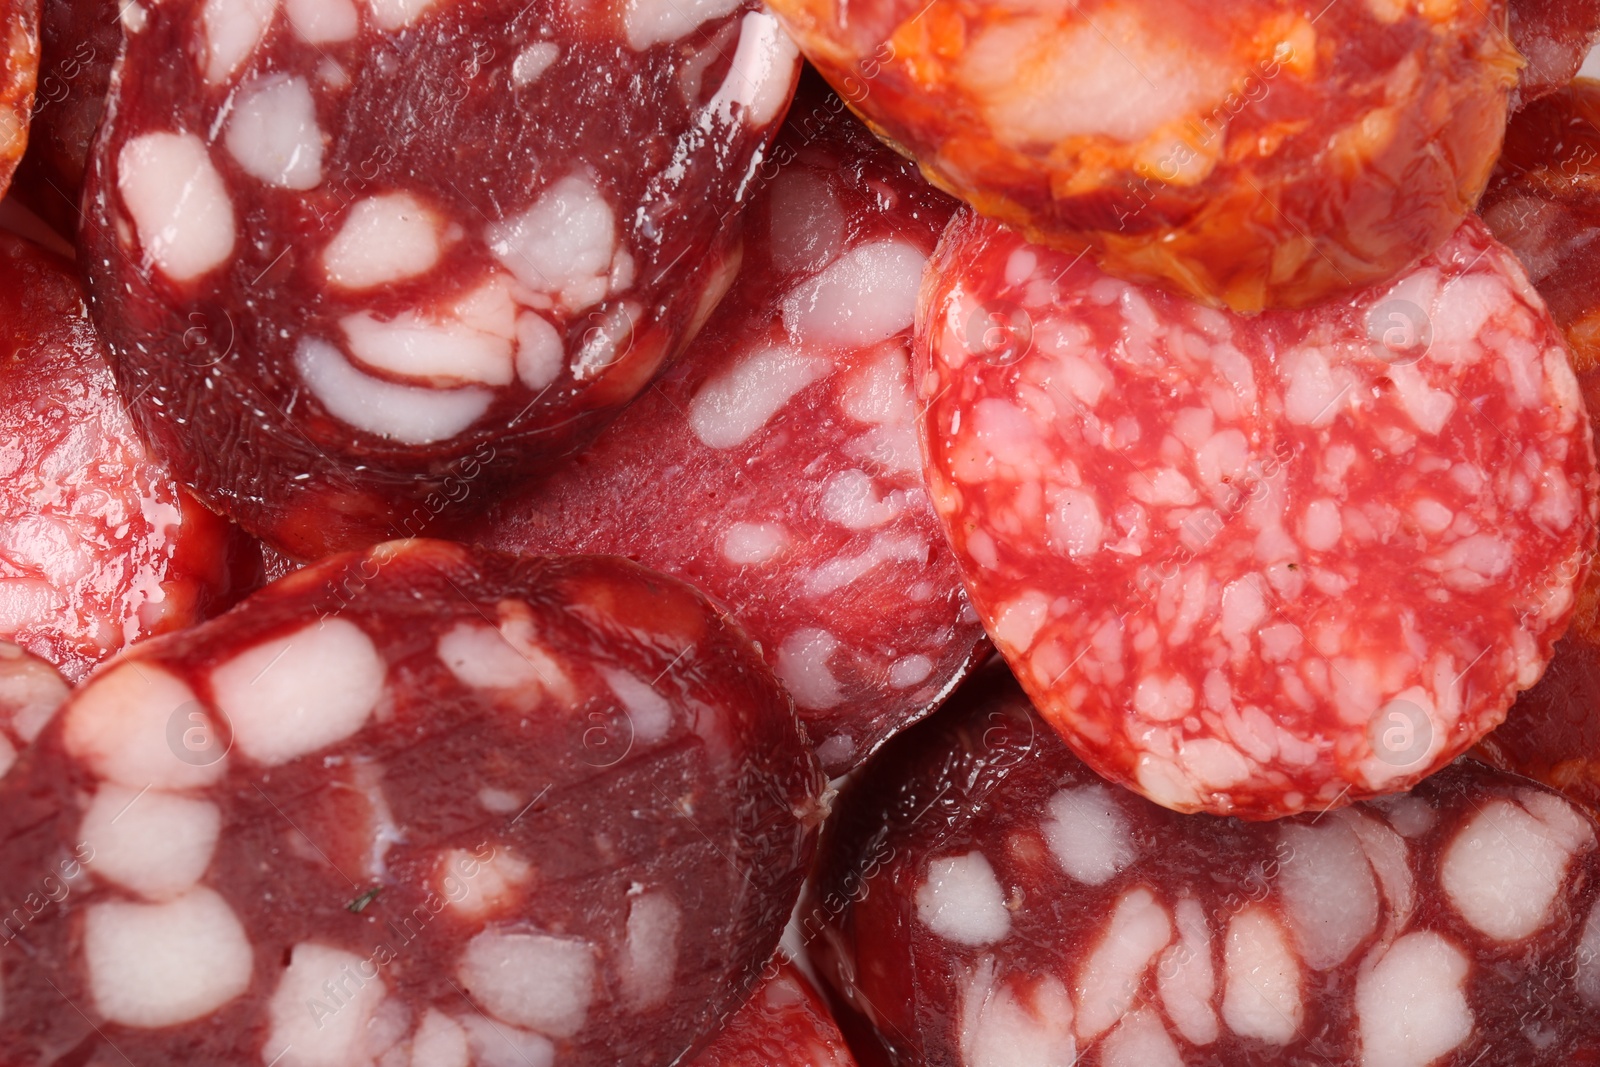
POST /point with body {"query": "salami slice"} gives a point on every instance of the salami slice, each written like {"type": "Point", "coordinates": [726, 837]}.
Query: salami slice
{"type": "Point", "coordinates": [1264, 565]}
{"type": "Point", "coordinates": [1269, 153]}
{"type": "Point", "coordinates": [78, 42]}
{"type": "Point", "coordinates": [785, 1024]}
{"type": "Point", "coordinates": [422, 805]}
{"type": "Point", "coordinates": [1552, 732]}
{"type": "Point", "coordinates": [1004, 906]}
{"type": "Point", "coordinates": [1544, 203]}
{"type": "Point", "coordinates": [1554, 37]}
{"type": "Point", "coordinates": [99, 547]}
{"type": "Point", "coordinates": [19, 71]}
{"type": "Point", "coordinates": [776, 467]}
{"type": "Point", "coordinates": [358, 261]}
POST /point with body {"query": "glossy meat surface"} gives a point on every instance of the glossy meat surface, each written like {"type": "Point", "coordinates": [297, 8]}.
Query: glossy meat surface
{"type": "Point", "coordinates": [99, 545]}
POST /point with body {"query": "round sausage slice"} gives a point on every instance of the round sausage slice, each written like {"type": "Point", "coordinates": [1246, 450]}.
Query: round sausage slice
{"type": "Point", "coordinates": [358, 261]}
{"type": "Point", "coordinates": [99, 546]}
{"type": "Point", "coordinates": [776, 466]}
{"type": "Point", "coordinates": [1258, 565]}
{"type": "Point", "coordinates": [999, 904]}
{"type": "Point", "coordinates": [1265, 153]}
{"type": "Point", "coordinates": [422, 805]}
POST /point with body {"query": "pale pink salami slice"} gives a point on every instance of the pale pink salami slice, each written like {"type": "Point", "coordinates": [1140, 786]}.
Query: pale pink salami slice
{"type": "Point", "coordinates": [99, 545]}
{"type": "Point", "coordinates": [1261, 565]}
{"type": "Point", "coordinates": [995, 904]}
{"type": "Point", "coordinates": [776, 467]}
{"type": "Point", "coordinates": [785, 1024]}
{"type": "Point", "coordinates": [424, 805]}
{"type": "Point", "coordinates": [358, 261]}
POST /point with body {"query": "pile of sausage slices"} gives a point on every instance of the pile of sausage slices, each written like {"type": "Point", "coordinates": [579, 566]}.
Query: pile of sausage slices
{"type": "Point", "coordinates": [892, 533]}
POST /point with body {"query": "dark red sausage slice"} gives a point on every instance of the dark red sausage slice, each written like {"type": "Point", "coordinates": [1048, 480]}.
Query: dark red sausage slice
{"type": "Point", "coordinates": [78, 42]}
{"type": "Point", "coordinates": [1544, 203]}
{"type": "Point", "coordinates": [785, 1024]}
{"type": "Point", "coordinates": [1554, 37]}
{"type": "Point", "coordinates": [423, 805]}
{"type": "Point", "coordinates": [777, 466]}
{"type": "Point", "coordinates": [99, 547]}
{"type": "Point", "coordinates": [1001, 906]}
{"type": "Point", "coordinates": [1263, 565]}
{"type": "Point", "coordinates": [1260, 153]}
{"type": "Point", "coordinates": [358, 260]}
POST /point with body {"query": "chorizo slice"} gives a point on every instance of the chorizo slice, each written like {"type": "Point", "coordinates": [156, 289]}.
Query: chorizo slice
{"type": "Point", "coordinates": [776, 466]}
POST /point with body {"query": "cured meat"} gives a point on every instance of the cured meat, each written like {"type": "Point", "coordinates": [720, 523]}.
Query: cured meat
{"type": "Point", "coordinates": [1257, 566]}
{"type": "Point", "coordinates": [1000, 905]}
{"type": "Point", "coordinates": [1269, 153]}
{"type": "Point", "coordinates": [99, 547]}
{"type": "Point", "coordinates": [776, 467]}
{"type": "Point", "coordinates": [1552, 732]}
{"type": "Point", "coordinates": [784, 1025]}
{"type": "Point", "coordinates": [19, 70]}
{"type": "Point", "coordinates": [1544, 203]}
{"type": "Point", "coordinates": [358, 262]}
{"type": "Point", "coordinates": [78, 42]}
{"type": "Point", "coordinates": [422, 805]}
{"type": "Point", "coordinates": [30, 692]}
{"type": "Point", "coordinates": [1554, 37]}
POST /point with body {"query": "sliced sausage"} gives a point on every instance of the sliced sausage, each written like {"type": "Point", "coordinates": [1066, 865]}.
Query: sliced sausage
{"type": "Point", "coordinates": [997, 904]}
{"type": "Point", "coordinates": [1266, 153]}
{"type": "Point", "coordinates": [359, 261]}
{"type": "Point", "coordinates": [1554, 37]}
{"type": "Point", "coordinates": [1258, 565]}
{"type": "Point", "coordinates": [1544, 203]}
{"type": "Point", "coordinates": [99, 546]}
{"type": "Point", "coordinates": [417, 806]}
{"type": "Point", "coordinates": [78, 43]}
{"type": "Point", "coordinates": [776, 467]}
{"type": "Point", "coordinates": [785, 1024]}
